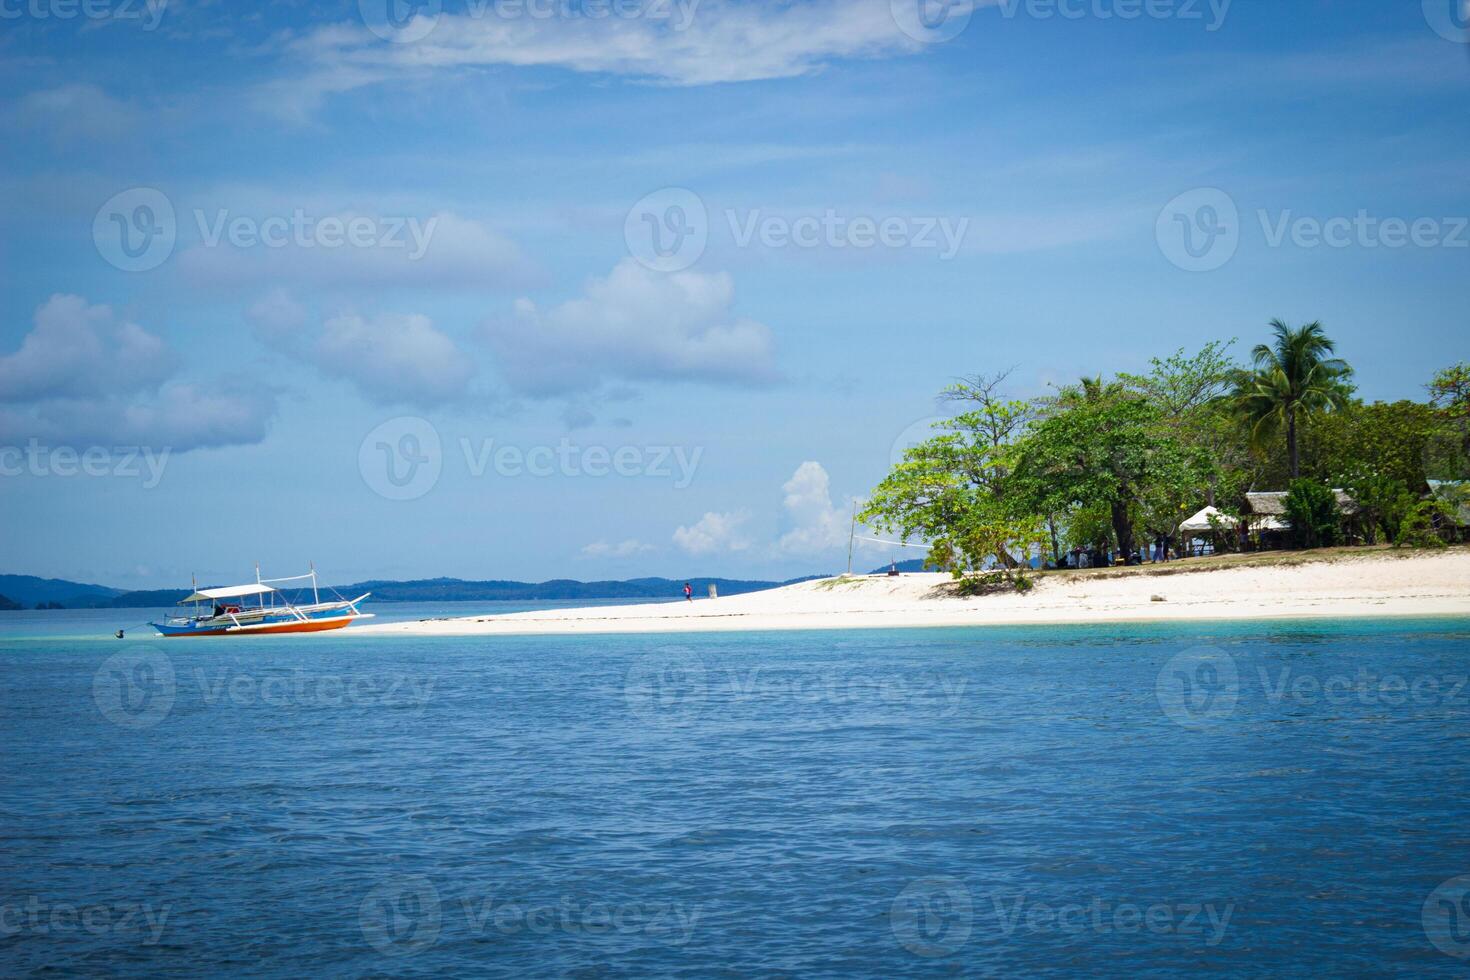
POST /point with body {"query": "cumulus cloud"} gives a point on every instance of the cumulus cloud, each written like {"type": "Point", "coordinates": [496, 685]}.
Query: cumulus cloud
{"type": "Point", "coordinates": [817, 525]}
{"type": "Point", "coordinates": [635, 325]}
{"type": "Point", "coordinates": [394, 358]}
{"type": "Point", "coordinates": [277, 316]}
{"type": "Point", "coordinates": [714, 532]}
{"type": "Point", "coordinates": [344, 248]}
{"type": "Point", "coordinates": [623, 549]}
{"type": "Point", "coordinates": [692, 42]}
{"type": "Point", "coordinates": [81, 375]}
{"type": "Point", "coordinates": [76, 350]}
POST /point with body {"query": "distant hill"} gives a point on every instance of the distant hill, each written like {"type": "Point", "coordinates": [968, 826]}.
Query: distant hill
{"type": "Point", "coordinates": [912, 565]}
{"type": "Point", "coordinates": [459, 590]}
{"type": "Point", "coordinates": [7, 605]}
{"type": "Point", "coordinates": [28, 590]}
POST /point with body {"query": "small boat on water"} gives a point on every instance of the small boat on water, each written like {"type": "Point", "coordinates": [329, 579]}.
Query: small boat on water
{"type": "Point", "coordinates": [247, 610]}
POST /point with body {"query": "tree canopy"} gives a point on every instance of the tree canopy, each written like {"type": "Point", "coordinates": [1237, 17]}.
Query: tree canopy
{"type": "Point", "coordinates": [1113, 463]}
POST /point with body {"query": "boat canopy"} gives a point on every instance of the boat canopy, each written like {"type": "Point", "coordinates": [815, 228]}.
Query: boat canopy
{"type": "Point", "coordinates": [228, 592]}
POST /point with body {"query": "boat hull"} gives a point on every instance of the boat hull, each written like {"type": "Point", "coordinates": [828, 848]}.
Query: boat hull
{"type": "Point", "coordinates": [257, 629]}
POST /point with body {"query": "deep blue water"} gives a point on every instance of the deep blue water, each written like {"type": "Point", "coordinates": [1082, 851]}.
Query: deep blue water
{"type": "Point", "coordinates": [1284, 799]}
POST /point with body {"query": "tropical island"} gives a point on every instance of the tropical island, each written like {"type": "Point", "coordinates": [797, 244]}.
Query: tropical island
{"type": "Point", "coordinates": [1204, 488]}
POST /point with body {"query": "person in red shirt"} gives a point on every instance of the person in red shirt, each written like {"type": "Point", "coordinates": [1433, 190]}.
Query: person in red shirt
{"type": "Point", "coordinates": [688, 592]}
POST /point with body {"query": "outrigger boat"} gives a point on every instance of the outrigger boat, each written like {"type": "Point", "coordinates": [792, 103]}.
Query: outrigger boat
{"type": "Point", "coordinates": [261, 608]}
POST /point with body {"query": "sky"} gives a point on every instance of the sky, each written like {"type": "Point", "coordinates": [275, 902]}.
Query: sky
{"type": "Point", "coordinates": [612, 288]}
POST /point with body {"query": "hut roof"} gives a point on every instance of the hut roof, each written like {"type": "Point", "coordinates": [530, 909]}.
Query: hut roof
{"type": "Point", "coordinates": [1273, 502]}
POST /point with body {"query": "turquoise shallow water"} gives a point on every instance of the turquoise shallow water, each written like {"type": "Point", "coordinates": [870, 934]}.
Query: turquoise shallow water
{"type": "Point", "coordinates": [1246, 798]}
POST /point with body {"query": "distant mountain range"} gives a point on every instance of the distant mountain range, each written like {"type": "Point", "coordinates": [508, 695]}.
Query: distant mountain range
{"type": "Point", "coordinates": [26, 591]}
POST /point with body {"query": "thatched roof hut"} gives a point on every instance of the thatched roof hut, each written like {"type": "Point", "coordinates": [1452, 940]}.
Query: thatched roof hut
{"type": "Point", "coordinates": [1272, 503]}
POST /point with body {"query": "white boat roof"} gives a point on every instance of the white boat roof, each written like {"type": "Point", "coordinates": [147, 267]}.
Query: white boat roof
{"type": "Point", "coordinates": [228, 592]}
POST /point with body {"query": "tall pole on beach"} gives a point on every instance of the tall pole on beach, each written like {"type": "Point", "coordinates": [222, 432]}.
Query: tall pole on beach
{"type": "Point", "coordinates": [851, 531]}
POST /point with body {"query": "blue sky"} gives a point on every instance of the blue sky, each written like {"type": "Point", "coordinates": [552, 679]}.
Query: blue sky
{"type": "Point", "coordinates": [500, 374]}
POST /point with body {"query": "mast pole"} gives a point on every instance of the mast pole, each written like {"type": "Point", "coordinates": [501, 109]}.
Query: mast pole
{"type": "Point", "coordinates": [851, 533]}
{"type": "Point", "coordinates": [316, 597]}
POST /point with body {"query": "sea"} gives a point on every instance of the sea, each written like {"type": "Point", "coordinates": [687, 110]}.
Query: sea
{"type": "Point", "coordinates": [1245, 798]}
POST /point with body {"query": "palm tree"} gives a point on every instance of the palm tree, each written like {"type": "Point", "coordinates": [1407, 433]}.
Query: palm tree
{"type": "Point", "coordinates": [1293, 377]}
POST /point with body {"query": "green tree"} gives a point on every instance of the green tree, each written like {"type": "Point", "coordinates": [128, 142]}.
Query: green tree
{"type": "Point", "coordinates": [1292, 378]}
{"type": "Point", "coordinates": [1389, 439]}
{"type": "Point", "coordinates": [1095, 452]}
{"type": "Point", "coordinates": [1311, 509]}
{"type": "Point", "coordinates": [1449, 393]}
{"type": "Point", "coordinates": [1383, 503]}
{"type": "Point", "coordinates": [954, 490]}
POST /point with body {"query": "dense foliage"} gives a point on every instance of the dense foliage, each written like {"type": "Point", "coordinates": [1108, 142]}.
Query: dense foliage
{"type": "Point", "coordinates": [1110, 466]}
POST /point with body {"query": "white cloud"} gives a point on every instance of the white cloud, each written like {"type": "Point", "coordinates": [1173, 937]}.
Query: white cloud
{"type": "Point", "coordinates": [277, 316]}
{"type": "Point", "coordinates": [623, 549]}
{"type": "Point", "coordinates": [77, 351]}
{"type": "Point", "coordinates": [394, 358]}
{"type": "Point", "coordinates": [82, 376]}
{"type": "Point", "coordinates": [443, 250]}
{"type": "Point", "coordinates": [817, 526]}
{"type": "Point", "coordinates": [699, 42]}
{"type": "Point", "coordinates": [78, 111]}
{"type": "Point", "coordinates": [635, 325]}
{"type": "Point", "coordinates": [713, 532]}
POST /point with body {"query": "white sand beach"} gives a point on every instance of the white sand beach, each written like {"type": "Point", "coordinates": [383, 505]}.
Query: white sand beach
{"type": "Point", "coordinates": [1362, 584]}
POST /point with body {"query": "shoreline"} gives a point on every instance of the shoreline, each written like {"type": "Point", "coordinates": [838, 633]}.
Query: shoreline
{"type": "Point", "coordinates": [1294, 586]}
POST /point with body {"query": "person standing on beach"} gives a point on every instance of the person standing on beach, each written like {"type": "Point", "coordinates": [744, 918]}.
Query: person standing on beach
{"type": "Point", "coordinates": [688, 592]}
